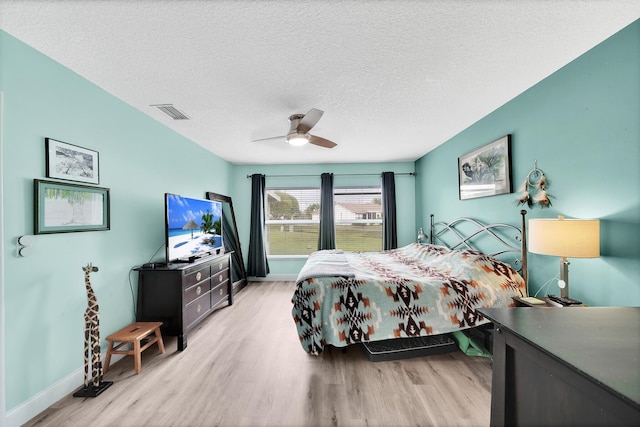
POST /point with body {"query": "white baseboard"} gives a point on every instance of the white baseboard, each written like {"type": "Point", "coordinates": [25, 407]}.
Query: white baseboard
{"type": "Point", "coordinates": [47, 397]}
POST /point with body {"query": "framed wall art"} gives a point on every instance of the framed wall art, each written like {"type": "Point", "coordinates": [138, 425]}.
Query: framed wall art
{"type": "Point", "coordinates": [72, 163]}
{"type": "Point", "coordinates": [486, 171]}
{"type": "Point", "coordinates": [64, 208]}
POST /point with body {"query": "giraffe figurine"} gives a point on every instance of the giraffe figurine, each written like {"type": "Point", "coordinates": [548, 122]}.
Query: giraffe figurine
{"type": "Point", "coordinates": [91, 333]}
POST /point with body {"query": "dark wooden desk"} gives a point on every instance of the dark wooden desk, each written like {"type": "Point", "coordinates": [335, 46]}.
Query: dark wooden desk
{"type": "Point", "coordinates": [557, 367]}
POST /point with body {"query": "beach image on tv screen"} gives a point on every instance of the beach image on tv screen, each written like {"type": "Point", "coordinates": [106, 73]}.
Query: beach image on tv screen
{"type": "Point", "coordinates": [193, 227]}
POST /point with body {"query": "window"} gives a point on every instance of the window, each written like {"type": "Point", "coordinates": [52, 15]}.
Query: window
{"type": "Point", "coordinates": [292, 219]}
{"type": "Point", "coordinates": [358, 217]}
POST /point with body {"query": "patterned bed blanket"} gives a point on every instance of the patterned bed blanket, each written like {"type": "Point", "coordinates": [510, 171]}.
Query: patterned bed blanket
{"type": "Point", "coordinates": [347, 297]}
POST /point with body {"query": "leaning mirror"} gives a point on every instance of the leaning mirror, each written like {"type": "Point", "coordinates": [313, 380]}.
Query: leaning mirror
{"type": "Point", "coordinates": [231, 240]}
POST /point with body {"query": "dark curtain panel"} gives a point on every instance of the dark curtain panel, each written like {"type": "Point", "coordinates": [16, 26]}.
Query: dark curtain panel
{"type": "Point", "coordinates": [327, 237]}
{"type": "Point", "coordinates": [389, 229]}
{"type": "Point", "coordinates": [257, 262]}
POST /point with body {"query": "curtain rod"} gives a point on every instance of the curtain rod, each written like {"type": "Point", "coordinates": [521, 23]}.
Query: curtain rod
{"type": "Point", "coordinates": [336, 174]}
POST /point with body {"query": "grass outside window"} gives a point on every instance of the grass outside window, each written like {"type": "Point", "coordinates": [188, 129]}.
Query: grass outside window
{"type": "Point", "coordinates": [302, 239]}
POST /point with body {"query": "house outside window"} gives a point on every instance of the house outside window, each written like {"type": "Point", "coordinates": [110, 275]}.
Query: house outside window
{"type": "Point", "coordinates": [292, 220]}
{"type": "Point", "coordinates": [358, 218]}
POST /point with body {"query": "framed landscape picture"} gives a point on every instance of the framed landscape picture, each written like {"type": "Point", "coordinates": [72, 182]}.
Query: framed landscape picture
{"type": "Point", "coordinates": [64, 208]}
{"type": "Point", "coordinates": [72, 163]}
{"type": "Point", "coordinates": [486, 171]}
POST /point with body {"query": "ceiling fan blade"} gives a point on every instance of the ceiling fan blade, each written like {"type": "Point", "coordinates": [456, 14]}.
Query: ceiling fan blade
{"type": "Point", "coordinates": [321, 142]}
{"type": "Point", "coordinates": [309, 120]}
{"type": "Point", "coordinates": [273, 138]}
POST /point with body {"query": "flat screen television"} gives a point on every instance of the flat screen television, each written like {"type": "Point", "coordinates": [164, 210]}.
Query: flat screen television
{"type": "Point", "coordinates": [193, 228]}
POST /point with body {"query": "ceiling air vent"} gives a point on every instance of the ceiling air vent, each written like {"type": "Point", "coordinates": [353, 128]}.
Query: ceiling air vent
{"type": "Point", "coordinates": [171, 111]}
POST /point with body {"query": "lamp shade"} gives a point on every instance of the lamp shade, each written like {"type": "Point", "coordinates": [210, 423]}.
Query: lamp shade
{"type": "Point", "coordinates": [570, 238]}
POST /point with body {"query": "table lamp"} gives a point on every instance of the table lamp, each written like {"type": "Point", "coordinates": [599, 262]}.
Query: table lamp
{"type": "Point", "coordinates": [421, 236]}
{"type": "Point", "coordinates": [566, 238]}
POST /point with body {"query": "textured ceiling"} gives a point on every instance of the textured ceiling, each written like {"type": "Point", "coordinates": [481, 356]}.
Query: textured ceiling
{"type": "Point", "coordinates": [395, 78]}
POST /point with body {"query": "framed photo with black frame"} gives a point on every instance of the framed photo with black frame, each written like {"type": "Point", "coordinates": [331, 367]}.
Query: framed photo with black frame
{"type": "Point", "coordinates": [486, 171]}
{"type": "Point", "coordinates": [72, 163]}
{"type": "Point", "coordinates": [64, 208]}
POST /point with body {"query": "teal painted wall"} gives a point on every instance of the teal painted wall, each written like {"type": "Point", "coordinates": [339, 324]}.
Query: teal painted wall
{"type": "Point", "coordinates": [582, 125]}
{"type": "Point", "coordinates": [140, 160]}
{"type": "Point", "coordinates": [405, 193]}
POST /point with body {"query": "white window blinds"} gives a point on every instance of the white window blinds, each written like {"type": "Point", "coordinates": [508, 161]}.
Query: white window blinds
{"type": "Point", "coordinates": [292, 221]}
{"type": "Point", "coordinates": [358, 218]}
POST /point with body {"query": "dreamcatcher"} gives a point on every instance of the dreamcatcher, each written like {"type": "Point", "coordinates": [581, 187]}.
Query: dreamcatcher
{"type": "Point", "coordinates": [533, 189]}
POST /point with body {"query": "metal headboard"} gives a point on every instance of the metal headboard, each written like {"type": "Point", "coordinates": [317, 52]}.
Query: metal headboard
{"type": "Point", "coordinates": [450, 235]}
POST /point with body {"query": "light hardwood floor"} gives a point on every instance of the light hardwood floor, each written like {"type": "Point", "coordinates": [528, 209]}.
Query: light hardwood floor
{"type": "Point", "coordinates": [244, 366]}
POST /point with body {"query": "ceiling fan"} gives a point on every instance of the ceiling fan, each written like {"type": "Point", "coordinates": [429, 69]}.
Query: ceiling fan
{"type": "Point", "coordinates": [299, 134]}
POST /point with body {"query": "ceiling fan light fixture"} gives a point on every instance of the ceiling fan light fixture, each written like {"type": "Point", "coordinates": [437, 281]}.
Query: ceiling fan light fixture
{"type": "Point", "coordinates": [300, 126]}
{"type": "Point", "coordinates": [297, 139]}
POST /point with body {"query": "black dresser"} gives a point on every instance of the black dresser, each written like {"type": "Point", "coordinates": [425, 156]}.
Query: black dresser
{"type": "Point", "coordinates": [182, 295]}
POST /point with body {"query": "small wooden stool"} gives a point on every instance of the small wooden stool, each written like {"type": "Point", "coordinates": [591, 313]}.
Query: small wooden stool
{"type": "Point", "coordinates": [133, 334]}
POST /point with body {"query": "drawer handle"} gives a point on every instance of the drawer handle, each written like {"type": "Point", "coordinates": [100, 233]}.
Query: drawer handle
{"type": "Point", "coordinates": [198, 275]}
{"type": "Point", "coordinates": [198, 290]}
{"type": "Point", "coordinates": [220, 279]}
{"type": "Point", "coordinates": [220, 266]}
{"type": "Point", "coordinates": [199, 309]}
{"type": "Point", "coordinates": [221, 291]}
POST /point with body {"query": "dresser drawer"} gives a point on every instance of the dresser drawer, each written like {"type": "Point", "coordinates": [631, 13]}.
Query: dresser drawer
{"type": "Point", "coordinates": [219, 294]}
{"type": "Point", "coordinates": [219, 278]}
{"type": "Point", "coordinates": [219, 265]}
{"type": "Point", "coordinates": [196, 291]}
{"type": "Point", "coordinates": [196, 274]}
{"type": "Point", "coordinates": [196, 309]}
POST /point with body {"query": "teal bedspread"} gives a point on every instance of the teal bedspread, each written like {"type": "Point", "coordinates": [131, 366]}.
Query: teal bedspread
{"type": "Point", "coordinates": [347, 297]}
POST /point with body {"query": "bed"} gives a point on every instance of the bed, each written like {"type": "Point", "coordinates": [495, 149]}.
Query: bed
{"type": "Point", "coordinates": [342, 298]}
